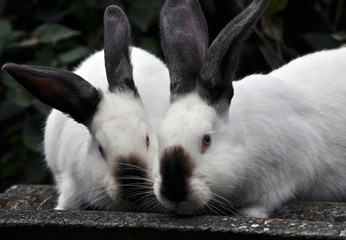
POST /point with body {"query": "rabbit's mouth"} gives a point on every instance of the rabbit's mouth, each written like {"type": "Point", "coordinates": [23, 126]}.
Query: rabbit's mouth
{"type": "Point", "coordinates": [131, 175]}
{"type": "Point", "coordinates": [212, 207]}
{"type": "Point", "coordinates": [219, 206]}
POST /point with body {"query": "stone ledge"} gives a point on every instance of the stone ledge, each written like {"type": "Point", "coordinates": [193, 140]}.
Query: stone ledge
{"type": "Point", "coordinates": [26, 213]}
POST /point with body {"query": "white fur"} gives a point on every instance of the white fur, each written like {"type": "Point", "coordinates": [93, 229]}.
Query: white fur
{"type": "Point", "coordinates": [284, 138]}
{"type": "Point", "coordinates": [120, 125]}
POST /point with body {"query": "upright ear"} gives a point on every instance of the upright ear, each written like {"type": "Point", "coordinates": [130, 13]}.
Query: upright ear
{"type": "Point", "coordinates": [184, 42]}
{"type": "Point", "coordinates": [116, 49]}
{"type": "Point", "coordinates": [59, 89]}
{"type": "Point", "coordinates": [220, 62]}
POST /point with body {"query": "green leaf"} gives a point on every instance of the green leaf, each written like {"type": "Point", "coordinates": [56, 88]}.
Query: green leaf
{"type": "Point", "coordinates": [275, 6]}
{"type": "Point", "coordinates": [149, 44]}
{"type": "Point", "coordinates": [270, 58]}
{"type": "Point", "coordinates": [32, 135]}
{"type": "Point", "coordinates": [45, 57]}
{"type": "Point", "coordinates": [5, 28]}
{"type": "Point", "coordinates": [7, 35]}
{"type": "Point", "coordinates": [19, 96]}
{"type": "Point", "coordinates": [339, 36]}
{"type": "Point", "coordinates": [320, 41]}
{"type": "Point", "coordinates": [51, 33]}
{"type": "Point", "coordinates": [5, 31]}
{"type": "Point", "coordinates": [8, 110]}
{"type": "Point", "coordinates": [9, 169]}
{"type": "Point", "coordinates": [143, 13]}
{"type": "Point", "coordinates": [25, 43]}
{"type": "Point", "coordinates": [41, 107]}
{"type": "Point", "coordinates": [73, 55]}
{"type": "Point", "coordinates": [53, 14]}
{"type": "Point", "coordinates": [15, 93]}
{"type": "Point", "coordinates": [209, 6]}
{"type": "Point", "coordinates": [273, 27]}
{"type": "Point", "coordinates": [327, 1]}
{"type": "Point", "coordinates": [8, 81]}
{"type": "Point", "coordinates": [16, 36]}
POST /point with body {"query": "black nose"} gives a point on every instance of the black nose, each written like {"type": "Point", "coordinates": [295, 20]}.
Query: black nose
{"type": "Point", "coordinates": [175, 169]}
{"type": "Point", "coordinates": [131, 176]}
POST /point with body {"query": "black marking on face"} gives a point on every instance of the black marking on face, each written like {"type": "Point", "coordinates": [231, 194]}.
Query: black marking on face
{"type": "Point", "coordinates": [176, 168]}
{"type": "Point", "coordinates": [131, 175]}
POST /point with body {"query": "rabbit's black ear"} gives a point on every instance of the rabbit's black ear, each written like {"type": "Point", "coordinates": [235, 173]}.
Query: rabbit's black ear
{"type": "Point", "coordinates": [59, 89]}
{"type": "Point", "coordinates": [117, 53]}
{"type": "Point", "coordinates": [220, 62]}
{"type": "Point", "coordinates": [184, 42]}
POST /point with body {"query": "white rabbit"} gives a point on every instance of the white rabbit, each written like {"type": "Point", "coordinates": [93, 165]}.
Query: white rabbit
{"type": "Point", "coordinates": [279, 137]}
{"type": "Point", "coordinates": [101, 153]}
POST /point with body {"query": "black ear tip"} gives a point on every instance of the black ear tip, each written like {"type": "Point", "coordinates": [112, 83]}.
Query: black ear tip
{"type": "Point", "coordinates": [5, 67]}
{"type": "Point", "coordinates": [113, 11]}
{"type": "Point", "coordinates": [8, 67]}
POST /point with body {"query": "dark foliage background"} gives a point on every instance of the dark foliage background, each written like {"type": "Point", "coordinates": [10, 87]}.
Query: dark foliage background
{"type": "Point", "coordinates": [61, 33]}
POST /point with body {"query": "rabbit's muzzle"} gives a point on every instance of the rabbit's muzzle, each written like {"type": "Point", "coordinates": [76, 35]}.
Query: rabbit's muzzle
{"type": "Point", "coordinates": [131, 174]}
{"type": "Point", "coordinates": [176, 168]}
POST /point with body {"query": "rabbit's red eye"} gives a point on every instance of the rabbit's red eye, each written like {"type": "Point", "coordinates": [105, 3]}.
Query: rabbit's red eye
{"type": "Point", "coordinates": [206, 141]}
{"type": "Point", "coordinates": [147, 141]}
{"type": "Point", "coordinates": [102, 152]}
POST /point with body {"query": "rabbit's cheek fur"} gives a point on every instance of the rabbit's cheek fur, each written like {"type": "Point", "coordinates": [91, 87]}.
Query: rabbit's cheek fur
{"type": "Point", "coordinates": [127, 164]}
{"type": "Point", "coordinates": [178, 188]}
{"type": "Point", "coordinates": [114, 130]}
{"type": "Point", "coordinates": [131, 174]}
{"type": "Point", "coordinates": [187, 119]}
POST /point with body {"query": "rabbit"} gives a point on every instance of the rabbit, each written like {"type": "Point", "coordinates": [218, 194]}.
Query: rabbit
{"type": "Point", "coordinates": [246, 147]}
{"type": "Point", "coordinates": [100, 140]}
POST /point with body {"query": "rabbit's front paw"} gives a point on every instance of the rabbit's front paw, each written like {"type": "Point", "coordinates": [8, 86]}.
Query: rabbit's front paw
{"type": "Point", "coordinates": [256, 211]}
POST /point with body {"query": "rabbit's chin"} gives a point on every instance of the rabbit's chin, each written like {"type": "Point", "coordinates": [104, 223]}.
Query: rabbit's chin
{"type": "Point", "coordinates": [213, 206]}
{"type": "Point", "coordinates": [194, 203]}
{"type": "Point", "coordinates": [186, 207]}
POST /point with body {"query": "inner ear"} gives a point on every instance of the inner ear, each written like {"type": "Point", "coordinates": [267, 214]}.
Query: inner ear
{"type": "Point", "coordinates": [58, 88]}
{"type": "Point", "coordinates": [184, 40]}
{"type": "Point", "coordinates": [116, 51]}
{"type": "Point", "coordinates": [220, 63]}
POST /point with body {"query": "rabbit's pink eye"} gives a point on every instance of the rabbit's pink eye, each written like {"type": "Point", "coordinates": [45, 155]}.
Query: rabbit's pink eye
{"type": "Point", "coordinates": [206, 141]}
{"type": "Point", "coordinates": [102, 151]}
{"type": "Point", "coordinates": [147, 141]}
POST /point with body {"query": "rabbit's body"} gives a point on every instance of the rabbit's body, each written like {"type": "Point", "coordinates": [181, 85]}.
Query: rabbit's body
{"type": "Point", "coordinates": [79, 162]}
{"type": "Point", "coordinates": [101, 138]}
{"type": "Point", "coordinates": [150, 77]}
{"type": "Point", "coordinates": [279, 142]}
{"type": "Point", "coordinates": [253, 144]}
{"type": "Point", "coordinates": [320, 78]}
{"type": "Point", "coordinates": [293, 127]}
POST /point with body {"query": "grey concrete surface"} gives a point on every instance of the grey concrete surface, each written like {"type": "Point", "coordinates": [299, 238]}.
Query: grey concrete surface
{"type": "Point", "coordinates": [26, 212]}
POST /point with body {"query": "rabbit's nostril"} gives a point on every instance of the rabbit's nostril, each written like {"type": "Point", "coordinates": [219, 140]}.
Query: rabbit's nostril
{"type": "Point", "coordinates": [175, 169]}
{"type": "Point", "coordinates": [131, 176]}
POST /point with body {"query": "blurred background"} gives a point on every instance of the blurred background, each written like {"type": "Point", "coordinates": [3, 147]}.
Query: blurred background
{"type": "Point", "coordinates": [63, 32]}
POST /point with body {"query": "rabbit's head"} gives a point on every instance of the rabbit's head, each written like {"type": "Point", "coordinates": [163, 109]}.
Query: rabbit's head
{"type": "Point", "coordinates": [121, 139]}
{"type": "Point", "coordinates": [198, 137]}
